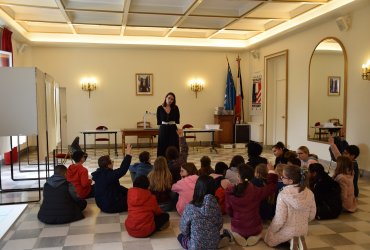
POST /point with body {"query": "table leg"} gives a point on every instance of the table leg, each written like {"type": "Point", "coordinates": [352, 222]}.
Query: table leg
{"type": "Point", "coordinates": [123, 143]}
{"type": "Point", "coordinates": [84, 142]}
{"type": "Point", "coordinates": [115, 143]}
{"type": "Point", "coordinates": [213, 142]}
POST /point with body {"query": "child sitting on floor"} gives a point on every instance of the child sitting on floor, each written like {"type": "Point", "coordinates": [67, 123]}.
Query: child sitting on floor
{"type": "Point", "coordinates": [78, 175]}
{"type": "Point", "coordinates": [160, 183]}
{"type": "Point", "coordinates": [185, 186]}
{"type": "Point", "coordinates": [201, 221]}
{"type": "Point", "coordinates": [144, 215]}
{"type": "Point", "coordinates": [141, 168]}
{"type": "Point", "coordinates": [205, 166]}
{"type": "Point", "coordinates": [344, 176]}
{"type": "Point", "coordinates": [110, 196]}
{"type": "Point", "coordinates": [294, 209]}
{"type": "Point", "coordinates": [60, 203]}
{"type": "Point", "coordinates": [243, 205]}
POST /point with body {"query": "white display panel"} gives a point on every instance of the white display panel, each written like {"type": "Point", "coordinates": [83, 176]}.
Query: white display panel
{"type": "Point", "coordinates": [18, 102]}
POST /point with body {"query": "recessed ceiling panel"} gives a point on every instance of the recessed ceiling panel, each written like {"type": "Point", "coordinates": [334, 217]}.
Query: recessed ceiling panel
{"type": "Point", "coordinates": [274, 10]}
{"type": "Point", "coordinates": [160, 6]}
{"type": "Point", "coordinates": [249, 24]}
{"type": "Point", "coordinates": [43, 3]}
{"type": "Point", "coordinates": [97, 29]}
{"type": "Point", "coordinates": [37, 14]}
{"type": "Point", "coordinates": [40, 27]}
{"type": "Point", "coordinates": [235, 8]}
{"type": "Point", "coordinates": [193, 33]}
{"type": "Point", "coordinates": [233, 34]}
{"type": "Point", "coordinates": [146, 31]}
{"type": "Point", "coordinates": [106, 5]}
{"type": "Point", "coordinates": [92, 17]}
{"type": "Point", "coordinates": [151, 20]}
{"type": "Point", "coordinates": [205, 22]}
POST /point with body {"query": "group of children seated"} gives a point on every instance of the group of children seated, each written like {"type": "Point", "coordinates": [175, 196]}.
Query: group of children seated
{"type": "Point", "coordinates": [290, 193]}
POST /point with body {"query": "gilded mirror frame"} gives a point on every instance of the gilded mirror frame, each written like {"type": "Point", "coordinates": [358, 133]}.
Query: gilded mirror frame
{"type": "Point", "coordinates": [343, 89]}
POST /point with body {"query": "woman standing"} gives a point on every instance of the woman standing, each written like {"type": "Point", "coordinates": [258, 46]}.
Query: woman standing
{"type": "Point", "coordinates": [168, 115]}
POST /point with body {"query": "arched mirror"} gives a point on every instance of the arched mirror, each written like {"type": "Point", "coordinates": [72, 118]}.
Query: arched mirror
{"type": "Point", "coordinates": [327, 91]}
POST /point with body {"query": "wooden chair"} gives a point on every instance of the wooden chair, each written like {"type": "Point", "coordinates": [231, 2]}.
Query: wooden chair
{"type": "Point", "coordinates": [191, 135]}
{"type": "Point", "coordinates": [147, 137]}
{"type": "Point", "coordinates": [335, 121]}
{"type": "Point", "coordinates": [102, 139]}
{"type": "Point", "coordinates": [62, 155]}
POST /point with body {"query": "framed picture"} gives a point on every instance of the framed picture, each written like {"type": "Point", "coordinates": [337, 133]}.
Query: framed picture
{"type": "Point", "coordinates": [334, 85]}
{"type": "Point", "coordinates": [5, 59]}
{"type": "Point", "coordinates": [144, 84]}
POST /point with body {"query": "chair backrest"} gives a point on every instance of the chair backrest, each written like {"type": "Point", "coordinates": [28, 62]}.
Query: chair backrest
{"type": "Point", "coordinates": [101, 128]}
{"type": "Point", "coordinates": [335, 121]}
{"type": "Point", "coordinates": [141, 124]}
{"type": "Point", "coordinates": [187, 126]}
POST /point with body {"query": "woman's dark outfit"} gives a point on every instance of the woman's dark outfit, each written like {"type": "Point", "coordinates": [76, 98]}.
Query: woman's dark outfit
{"type": "Point", "coordinates": [167, 129]}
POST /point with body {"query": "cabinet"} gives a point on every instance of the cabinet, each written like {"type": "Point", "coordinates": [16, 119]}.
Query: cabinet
{"type": "Point", "coordinates": [242, 133]}
{"type": "Point", "coordinates": [225, 136]}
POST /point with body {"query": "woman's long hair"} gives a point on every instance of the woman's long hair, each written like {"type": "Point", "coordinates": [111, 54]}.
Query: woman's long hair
{"type": "Point", "coordinates": [204, 185]}
{"type": "Point", "coordinates": [246, 174]}
{"type": "Point", "coordinates": [160, 177]}
{"type": "Point", "coordinates": [297, 175]}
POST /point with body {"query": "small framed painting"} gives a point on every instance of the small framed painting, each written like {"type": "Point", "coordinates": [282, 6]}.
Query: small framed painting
{"type": "Point", "coordinates": [144, 84]}
{"type": "Point", "coordinates": [334, 85]}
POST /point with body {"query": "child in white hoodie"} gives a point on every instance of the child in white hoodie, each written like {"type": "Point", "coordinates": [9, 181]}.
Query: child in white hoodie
{"type": "Point", "coordinates": [294, 209]}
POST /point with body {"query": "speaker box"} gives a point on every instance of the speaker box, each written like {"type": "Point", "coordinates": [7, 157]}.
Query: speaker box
{"type": "Point", "coordinates": [343, 23]}
{"type": "Point", "coordinates": [242, 133]}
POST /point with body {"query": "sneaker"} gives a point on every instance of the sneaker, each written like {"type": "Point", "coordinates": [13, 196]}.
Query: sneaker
{"type": "Point", "coordinates": [302, 243]}
{"type": "Point", "coordinates": [228, 234]}
{"type": "Point", "coordinates": [165, 226]}
{"type": "Point", "coordinates": [240, 240]}
{"type": "Point", "coordinates": [253, 240]}
{"type": "Point", "coordinates": [224, 241]}
{"type": "Point", "coordinates": [294, 245]}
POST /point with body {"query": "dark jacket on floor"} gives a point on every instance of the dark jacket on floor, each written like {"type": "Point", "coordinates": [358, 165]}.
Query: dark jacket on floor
{"type": "Point", "coordinates": [110, 196]}
{"type": "Point", "coordinates": [61, 203]}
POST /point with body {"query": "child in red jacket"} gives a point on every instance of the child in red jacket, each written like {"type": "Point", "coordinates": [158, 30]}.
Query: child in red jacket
{"type": "Point", "coordinates": [144, 215]}
{"type": "Point", "coordinates": [78, 175]}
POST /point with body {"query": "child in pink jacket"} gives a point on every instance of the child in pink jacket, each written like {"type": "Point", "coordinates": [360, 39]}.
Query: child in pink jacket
{"type": "Point", "coordinates": [294, 209]}
{"type": "Point", "coordinates": [344, 176]}
{"type": "Point", "coordinates": [185, 186]}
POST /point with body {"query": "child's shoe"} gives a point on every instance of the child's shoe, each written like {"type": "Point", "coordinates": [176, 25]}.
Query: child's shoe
{"type": "Point", "coordinates": [240, 240]}
{"type": "Point", "coordinates": [253, 240]}
{"type": "Point", "coordinates": [165, 226]}
{"type": "Point", "coordinates": [224, 241]}
{"type": "Point", "coordinates": [228, 234]}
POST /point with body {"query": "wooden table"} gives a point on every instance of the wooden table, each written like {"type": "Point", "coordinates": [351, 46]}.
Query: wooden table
{"type": "Point", "coordinates": [331, 129]}
{"type": "Point", "coordinates": [137, 132]}
{"type": "Point", "coordinates": [96, 132]}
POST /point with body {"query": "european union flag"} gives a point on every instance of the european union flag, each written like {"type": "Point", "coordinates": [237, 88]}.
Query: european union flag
{"type": "Point", "coordinates": [230, 93]}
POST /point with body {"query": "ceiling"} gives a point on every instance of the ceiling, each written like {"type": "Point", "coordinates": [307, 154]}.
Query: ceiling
{"type": "Point", "coordinates": [207, 23]}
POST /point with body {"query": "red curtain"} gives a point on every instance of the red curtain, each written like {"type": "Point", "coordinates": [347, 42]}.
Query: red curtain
{"type": "Point", "coordinates": [6, 40]}
{"type": "Point", "coordinates": [6, 44]}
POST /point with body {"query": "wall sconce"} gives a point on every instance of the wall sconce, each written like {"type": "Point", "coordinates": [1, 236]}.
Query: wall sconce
{"type": "Point", "coordinates": [366, 71]}
{"type": "Point", "coordinates": [88, 84]}
{"type": "Point", "coordinates": [196, 85]}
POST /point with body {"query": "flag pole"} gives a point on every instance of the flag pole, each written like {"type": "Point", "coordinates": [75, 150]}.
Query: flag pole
{"type": "Point", "coordinates": [238, 59]}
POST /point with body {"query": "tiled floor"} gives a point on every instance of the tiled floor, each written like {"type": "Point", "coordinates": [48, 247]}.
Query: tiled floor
{"type": "Point", "coordinates": [106, 231]}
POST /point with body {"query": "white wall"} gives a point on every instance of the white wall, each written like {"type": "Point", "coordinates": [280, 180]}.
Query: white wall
{"type": "Point", "coordinates": [115, 103]}
{"type": "Point", "coordinates": [357, 44]}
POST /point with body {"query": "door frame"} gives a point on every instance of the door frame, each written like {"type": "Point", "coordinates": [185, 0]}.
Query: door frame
{"type": "Point", "coordinates": [266, 60]}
